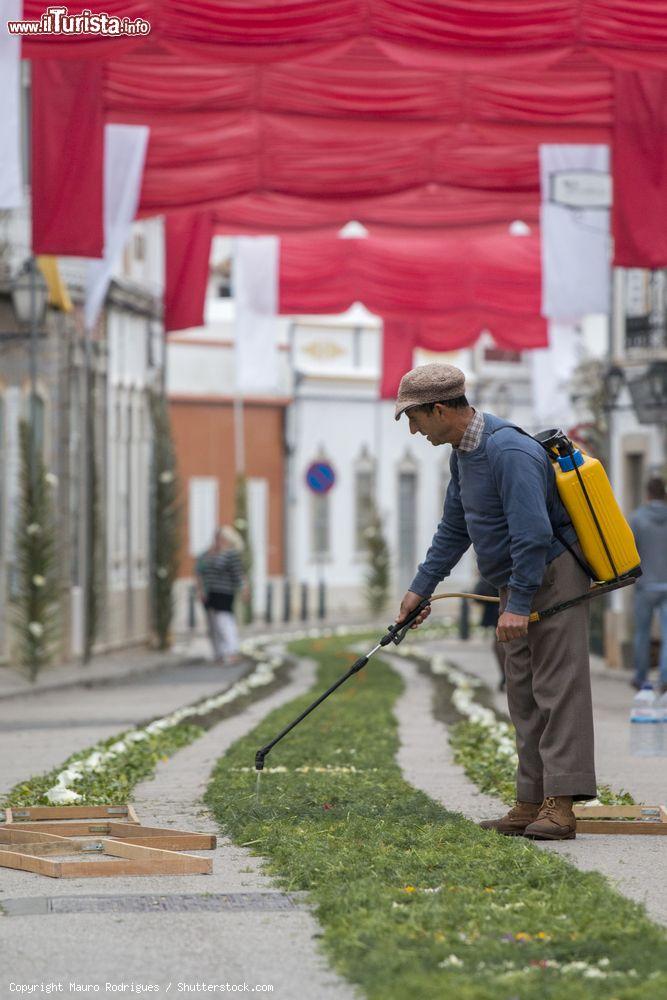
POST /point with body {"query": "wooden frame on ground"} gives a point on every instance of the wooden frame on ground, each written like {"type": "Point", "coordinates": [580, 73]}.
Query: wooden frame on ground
{"type": "Point", "coordinates": [49, 814]}
{"type": "Point", "coordinates": [26, 851]}
{"type": "Point", "coordinates": [626, 820]}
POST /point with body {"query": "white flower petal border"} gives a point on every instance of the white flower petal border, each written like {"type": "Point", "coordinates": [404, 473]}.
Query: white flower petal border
{"type": "Point", "coordinates": [463, 700]}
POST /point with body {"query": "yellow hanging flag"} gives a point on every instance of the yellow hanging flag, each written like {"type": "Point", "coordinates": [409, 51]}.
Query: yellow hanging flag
{"type": "Point", "coordinates": [58, 293]}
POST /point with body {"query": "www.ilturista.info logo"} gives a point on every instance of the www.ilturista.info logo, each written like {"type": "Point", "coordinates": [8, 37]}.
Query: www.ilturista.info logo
{"type": "Point", "coordinates": [58, 21]}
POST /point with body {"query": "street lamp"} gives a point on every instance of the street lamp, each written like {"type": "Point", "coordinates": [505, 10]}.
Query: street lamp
{"type": "Point", "coordinates": [648, 392]}
{"type": "Point", "coordinates": [30, 296]}
{"type": "Point", "coordinates": [657, 382]}
{"type": "Point", "coordinates": [30, 293]}
{"type": "Point", "coordinates": [613, 383]}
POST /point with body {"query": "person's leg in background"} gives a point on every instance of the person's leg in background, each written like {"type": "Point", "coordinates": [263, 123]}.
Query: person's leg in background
{"type": "Point", "coordinates": [230, 635]}
{"type": "Point", "coordinates": [642, 636]}
{"type": "Point", "coordinates": [663, 642]}
{"type": "Point", "coordinates": [214, 634]}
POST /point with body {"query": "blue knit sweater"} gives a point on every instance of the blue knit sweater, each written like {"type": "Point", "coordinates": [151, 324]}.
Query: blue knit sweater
{"type": "Point", "coordinates": [502, 498]}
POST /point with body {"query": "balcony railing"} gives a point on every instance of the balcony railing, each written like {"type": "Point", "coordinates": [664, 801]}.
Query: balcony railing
{"type": "Point", "coordinates": [645, 335]}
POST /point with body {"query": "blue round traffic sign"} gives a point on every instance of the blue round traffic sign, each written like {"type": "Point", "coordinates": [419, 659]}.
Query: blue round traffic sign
{"type": "Point", "coordinates": [320, 477]}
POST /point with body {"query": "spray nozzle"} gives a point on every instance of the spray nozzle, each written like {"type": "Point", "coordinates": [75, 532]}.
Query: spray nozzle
{"type": "Point", "coordinates": [396, 633]}
{"type": "Point", "coordinates": [259, 760]}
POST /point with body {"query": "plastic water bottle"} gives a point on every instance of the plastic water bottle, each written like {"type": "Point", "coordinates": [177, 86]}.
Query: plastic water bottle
{"type": "Point", "coordinates": [645, 724]}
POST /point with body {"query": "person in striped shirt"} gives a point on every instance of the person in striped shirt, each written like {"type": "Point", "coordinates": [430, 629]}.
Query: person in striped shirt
{"type": "Point", "coordinates": [219, 574]}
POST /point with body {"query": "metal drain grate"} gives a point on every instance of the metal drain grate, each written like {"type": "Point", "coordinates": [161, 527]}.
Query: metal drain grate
{"type": "Point", "coordinates": [181, 903]}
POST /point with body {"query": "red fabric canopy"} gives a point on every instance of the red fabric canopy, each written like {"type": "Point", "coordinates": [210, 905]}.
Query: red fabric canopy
{"type": "Point", "coordinates": [514, 33]}
{"type": "Point", "coordinates": [450, 332]}
{"type": "Point", "coordinates": [312, 144]}
{"type": "Point", "coordinates": [461, 282]}
{"type": "Point", "coordinates": [399, 113]}
{"type": "Point", "coordinates": [432, 208]}
{"type": "Point", "coordinates": [188, 249]}
{"type": "Point", "coordinates": [416, 276]}
{"type": "Point", "coordinates": [67, 158]}
{"type": "Point", "coordinates": [640, 170]}
{"type": "Point", "coordinates": [321, 129]}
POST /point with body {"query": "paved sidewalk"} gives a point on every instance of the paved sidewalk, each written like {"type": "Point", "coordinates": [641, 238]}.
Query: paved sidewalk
{"type": "Point", "coordinates": [117, 667]}
{"type": "Point", "coordinates": [108, 668]}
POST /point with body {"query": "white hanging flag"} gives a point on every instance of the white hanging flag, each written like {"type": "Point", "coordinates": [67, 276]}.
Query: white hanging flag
{"type": "Point", "coordinates": [11, 189]}
{"type": "Point", "coordinates": [256, 263]}
{"type": "Point", "coordinates": [551, 370]}
{"type": "Point", "coordinates": [124, 156]}
{"type": "Point", "coordinates": [574, 219]}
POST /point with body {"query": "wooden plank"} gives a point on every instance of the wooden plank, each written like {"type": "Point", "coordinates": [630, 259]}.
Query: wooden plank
{"type": "Point", "coordinates": [182, 839]}
{"type": "Point", "coordinates": [68, 828]}
{"type": "Point", "coordinates": [40, 848]}
{"type": "Point", "coordinates": [166, 862]}
{"type": "Point", "coordinates": [127, 866]}
{"type": "Point", "coordinates": [171, 839]}
{"type": "Point", "coordinates": [619, 827]}
{"type": "Point", "coordinates": [174, 841]}
{"type": "Point", "coordinates": [15, 836]}
{"type": "Point", "coordinates": [32, 814]}
{"type": "Point", "coordinates": [125, 859]}
{"type": "Point", "coordinates": [178, 839]}
{"type": "Point", "coordinates": [29, 863]}
{"type": "Point", "coordinates": [617, 812]}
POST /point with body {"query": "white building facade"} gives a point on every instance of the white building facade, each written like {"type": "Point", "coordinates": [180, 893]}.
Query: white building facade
{"type": "Point", "coordinates": [337, 418]}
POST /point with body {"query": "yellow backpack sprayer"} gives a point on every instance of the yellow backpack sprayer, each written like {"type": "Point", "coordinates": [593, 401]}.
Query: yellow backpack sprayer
{"type": "Point", "coordinates": [605, 537]}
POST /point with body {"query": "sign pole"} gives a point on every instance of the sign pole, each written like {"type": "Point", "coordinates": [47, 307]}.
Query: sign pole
{"type": "Point", "coordinates": [320, 478]}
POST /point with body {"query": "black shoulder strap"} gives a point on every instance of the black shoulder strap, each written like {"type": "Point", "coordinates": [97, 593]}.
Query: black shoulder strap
{"type": "Point", "coordinates": [585, 567]}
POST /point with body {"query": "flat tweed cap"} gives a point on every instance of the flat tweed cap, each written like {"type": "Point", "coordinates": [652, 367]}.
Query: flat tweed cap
{"type": "Point", "coordinates": [429, 384]}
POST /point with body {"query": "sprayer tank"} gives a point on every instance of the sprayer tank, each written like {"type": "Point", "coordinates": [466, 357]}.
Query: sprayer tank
{"type": "Point", "coordinates": [616, 530]}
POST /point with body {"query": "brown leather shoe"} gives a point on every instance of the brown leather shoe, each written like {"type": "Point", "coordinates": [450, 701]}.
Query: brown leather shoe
{"type": "Point", "coordinates": [556, 820]}
{"type": "Point", "coordinates": [515, 822]}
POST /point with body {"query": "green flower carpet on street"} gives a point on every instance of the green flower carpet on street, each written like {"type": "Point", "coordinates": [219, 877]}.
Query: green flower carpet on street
{"type": "Point", "coordinates": [414, 900]}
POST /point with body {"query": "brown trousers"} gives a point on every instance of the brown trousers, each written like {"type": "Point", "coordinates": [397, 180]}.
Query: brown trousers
{"type": "Point", "coordinates": [549, 691]}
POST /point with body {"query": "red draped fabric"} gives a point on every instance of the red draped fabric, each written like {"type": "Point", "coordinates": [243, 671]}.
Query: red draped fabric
{"type": "Point", "coordinates": [403, 114]}
{"type": "Point", "coordinates": [452, 286]}
{"type": "Point", "coordinates": [399, 339]}
{"type": "Point", "coordinates": [450, 33]}
{"type": "Point", "coordinates": [67, 158]}
{"type": "Point", "coordinates": [416, 276]}
{"type": "Point", "coordinates": [640, 170]}
{"type": "Point", "coordinates": [187, 252]}
{"type": "Point", "coordinates": [312, 143]}
{"type": "Point", "coordinates": [423, 209]}
{"type": "Point", "coordinates": [450, 332]}
{"type": "Point", "coordinates": [316, 131]}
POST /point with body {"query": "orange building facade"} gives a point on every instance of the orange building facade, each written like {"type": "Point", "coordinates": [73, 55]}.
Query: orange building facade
{"type": "Point", "coordinates": [204, 434]}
